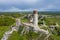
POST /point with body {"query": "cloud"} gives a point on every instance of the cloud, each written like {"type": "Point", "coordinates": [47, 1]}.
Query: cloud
{"type": "Point", "coordinates": [50, 7]}
{"type": "Point", "coordinates": [26, 5]}
{"type": "Point", "coordinates": [30, 1]}
{"type": "Point", "coordinates": [18, 1]}
{"type": "Point", "coordinates": [14, 9]}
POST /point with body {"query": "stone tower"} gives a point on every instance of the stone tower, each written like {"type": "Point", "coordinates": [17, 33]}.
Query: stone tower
{"type": "Point", "coordinates": [35, 18]}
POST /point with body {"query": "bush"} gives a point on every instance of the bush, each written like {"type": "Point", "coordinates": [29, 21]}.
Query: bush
{"type": "Point", "coordinates": [6, 21]}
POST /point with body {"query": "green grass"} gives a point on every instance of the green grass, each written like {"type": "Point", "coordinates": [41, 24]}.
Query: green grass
{"type": "Point", "coordinates": [24, 20]}
{"type": "Point", "coordinates": [14, 36]}
{"type": "Point", "coordinates": [3, 29]}
{"type": "Point", "coordinates": [54, 37]}
{"type": "Point", "coordinates": [6, 21]}
{"type": "Point", "coordinates": [27, 36]}
{"type": "Point", "coordinates": [17, 36]}
{"type": "Point", "coordinates": [52, 20]}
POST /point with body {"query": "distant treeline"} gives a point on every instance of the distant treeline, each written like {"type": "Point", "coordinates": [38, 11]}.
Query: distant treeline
{"type": "Point", "coordinates": [50, 13]}
{"type": "Point", "coordinates": [12, 14]}
{"type": "Point", "coordinates": [43, 12]}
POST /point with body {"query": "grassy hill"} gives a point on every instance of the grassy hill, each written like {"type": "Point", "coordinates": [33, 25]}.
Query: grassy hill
{"type": "Point", "coordinates": [6, 22]}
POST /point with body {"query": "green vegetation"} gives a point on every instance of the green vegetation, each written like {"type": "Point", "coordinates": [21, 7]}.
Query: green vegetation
{"type": "Point", "coordinates": [24, 20]}
{"type": "Point", "coordinates": [18, 36]}
{"type": "Point", "coordinates": [6, 21]}
{"type": "Point", "coordinates": [52, 20]}
{"type": "Point", "coordinates": [54, 37]}
{"type": "Point", "coordinates": [3, 29]}
{"type": "Point", "coordinates": [14, 36]}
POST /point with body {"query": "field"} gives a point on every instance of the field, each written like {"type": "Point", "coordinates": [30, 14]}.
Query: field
{"type": "Point", "coordinates": [8, 18]}
{"type": "Point", "coordinates": [3, 29]}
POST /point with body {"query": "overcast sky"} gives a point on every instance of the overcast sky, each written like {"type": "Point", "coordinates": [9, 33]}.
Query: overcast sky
{"type": "Point", "coordinates": [29, 5]}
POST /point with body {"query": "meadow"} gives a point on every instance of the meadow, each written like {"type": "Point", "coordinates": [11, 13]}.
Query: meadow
{"type": "Point", "coordinates": [6, 21]}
